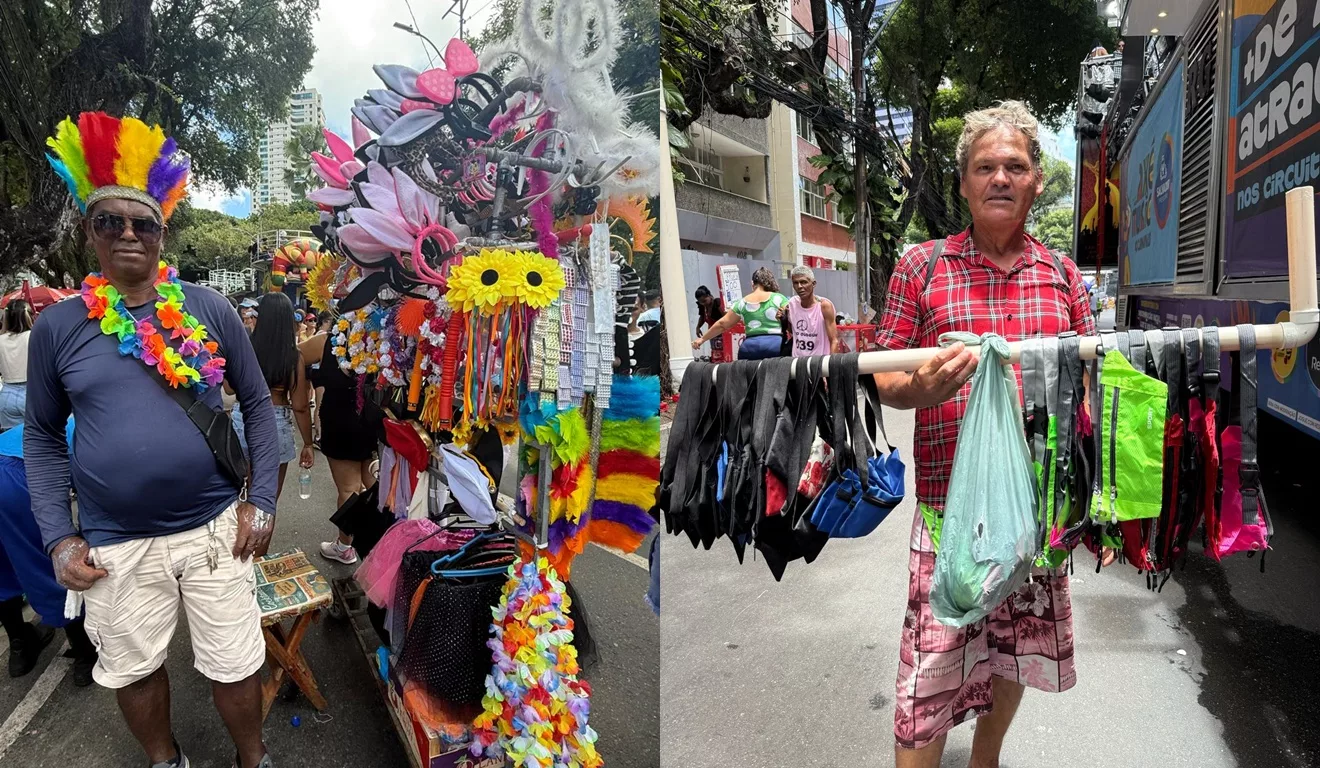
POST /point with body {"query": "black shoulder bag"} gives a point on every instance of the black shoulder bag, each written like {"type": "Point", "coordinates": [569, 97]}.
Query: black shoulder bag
{"type": "Point", "coordinates": [218, 430]}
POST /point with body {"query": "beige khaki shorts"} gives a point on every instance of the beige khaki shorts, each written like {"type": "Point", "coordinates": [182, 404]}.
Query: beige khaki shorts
{"type": "Point", "coordinates": [132, 613]}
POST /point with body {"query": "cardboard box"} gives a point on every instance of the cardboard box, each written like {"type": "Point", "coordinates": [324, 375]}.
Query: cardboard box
{"type": "Point", "coordinates": [427, 747]}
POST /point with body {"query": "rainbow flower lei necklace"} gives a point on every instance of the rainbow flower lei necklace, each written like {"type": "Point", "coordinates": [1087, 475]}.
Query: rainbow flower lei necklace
{"type": "Point", "coordinates": [193, 364]}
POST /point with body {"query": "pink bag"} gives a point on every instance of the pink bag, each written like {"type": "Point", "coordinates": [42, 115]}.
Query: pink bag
{"type": "Point", "coordinates": [1242, 521]}
{"type": "Point", "coordinates": [379, 573]}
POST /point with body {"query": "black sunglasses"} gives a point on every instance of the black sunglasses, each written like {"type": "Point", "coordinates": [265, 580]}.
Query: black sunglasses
{"type": "Point", "coordinates": [111, 226]}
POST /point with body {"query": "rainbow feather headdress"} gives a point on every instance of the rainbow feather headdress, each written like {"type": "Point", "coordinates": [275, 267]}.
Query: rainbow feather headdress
{"type": "Point", "coordinates": [101, 157]}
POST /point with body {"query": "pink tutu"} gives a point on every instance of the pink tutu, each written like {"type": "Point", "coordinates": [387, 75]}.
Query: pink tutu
{"type": "Point", "coordinates": [379, 572]}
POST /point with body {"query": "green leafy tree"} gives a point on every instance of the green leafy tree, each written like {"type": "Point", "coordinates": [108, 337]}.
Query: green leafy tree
{"type": "Point", "coordinates": [915, 233]}
{"type": "Point", "coordinates": [942, 58]}
{"type": "Point", "coordinates": [201, 240]}
{"type": "Point", "coordinates": [1058, 177]}
{"type": "Point", "coordinates": [1055, 229]}
{"type": "Point", "coordinates": [299, 175]}
{"type": "Point", "coordinates": [299, 216]}
{"type": "Point", "coordinates": [213, 73]}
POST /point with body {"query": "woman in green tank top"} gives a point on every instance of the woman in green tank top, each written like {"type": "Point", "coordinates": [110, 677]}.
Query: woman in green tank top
{"type": "Point", "coordinates": [761, 312]}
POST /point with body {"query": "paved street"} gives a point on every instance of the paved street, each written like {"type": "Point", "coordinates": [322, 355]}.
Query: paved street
{"type": "Point", "coordinates": [1218, 670]}
{"type": "Point", "coordinates": [46, 722]}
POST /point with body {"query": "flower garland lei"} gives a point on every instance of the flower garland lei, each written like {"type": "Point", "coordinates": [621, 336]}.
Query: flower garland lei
{"type": "Point", "coordinates": [536, 709]}
{"type": "Point", "coordinates": [356, 342]}
{"type": "Point", "coordinates": [432, 339]}
{"type": "Point", "coordinates": [396, 351]}
{"type": "Point", "coordinates": [194, 364]}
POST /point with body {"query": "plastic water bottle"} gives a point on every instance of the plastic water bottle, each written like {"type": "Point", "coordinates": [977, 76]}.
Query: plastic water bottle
{"type": "Point", "coordinates": [305, 483]}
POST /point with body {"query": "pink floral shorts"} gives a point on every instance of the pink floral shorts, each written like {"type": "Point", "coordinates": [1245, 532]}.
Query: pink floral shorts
{"type": "Point", "coordinates": [944, 673]}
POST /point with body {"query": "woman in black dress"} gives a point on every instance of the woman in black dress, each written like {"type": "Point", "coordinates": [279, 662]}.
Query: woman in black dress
{"type": "Point", "coordinates": [348, 435]}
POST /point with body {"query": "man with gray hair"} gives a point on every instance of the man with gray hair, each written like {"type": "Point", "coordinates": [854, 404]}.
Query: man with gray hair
{"type": "Point", "coordinates": [810, 319]}
{"type": "Point", "coordinates": [991, 278]}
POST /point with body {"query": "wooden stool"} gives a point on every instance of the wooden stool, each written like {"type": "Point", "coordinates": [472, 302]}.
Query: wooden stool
{"type": "Point", "coordinates": [289, 587]}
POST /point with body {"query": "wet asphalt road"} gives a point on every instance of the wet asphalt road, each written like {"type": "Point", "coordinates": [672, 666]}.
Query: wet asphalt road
{"type": "Point", "coordinates": [1219, 669]}
{"type": "Point", "coordinates": [83, 727]}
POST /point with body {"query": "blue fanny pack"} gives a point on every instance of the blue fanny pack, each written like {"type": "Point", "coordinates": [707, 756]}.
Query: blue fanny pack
{"type": "Point", "coordinates": [867, 484]}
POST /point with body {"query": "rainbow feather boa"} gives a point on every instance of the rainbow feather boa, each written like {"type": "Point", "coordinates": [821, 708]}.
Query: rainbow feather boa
{"type": "Point", "coordinates": [628, 472]}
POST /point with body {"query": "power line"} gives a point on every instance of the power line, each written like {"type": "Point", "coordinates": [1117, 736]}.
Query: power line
{"type": "Point", "coordinates": [759, 62]}
{"type": "Point", "coordinates": [408, 5]}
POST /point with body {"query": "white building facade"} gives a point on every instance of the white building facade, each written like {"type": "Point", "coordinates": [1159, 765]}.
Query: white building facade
{"type": "Point", "coordinates": [304, 109]}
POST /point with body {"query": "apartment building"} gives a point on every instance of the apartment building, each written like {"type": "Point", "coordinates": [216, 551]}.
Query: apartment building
{"type": "Point", "coordinates": [750, 190]}
{"type": "Point", "coordinates": [810, 224]}
{"type": "Point", "coordinates": [304, 109]}
{"type": "Point", "coordinates": [724, 203]}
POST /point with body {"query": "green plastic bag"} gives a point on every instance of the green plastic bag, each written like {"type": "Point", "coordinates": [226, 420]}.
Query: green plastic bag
{"type": "Point", "coordinates": [990, 534]}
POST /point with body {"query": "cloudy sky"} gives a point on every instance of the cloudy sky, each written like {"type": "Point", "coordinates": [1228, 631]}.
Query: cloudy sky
{"type": "Point", "coordinates": [350, 36]}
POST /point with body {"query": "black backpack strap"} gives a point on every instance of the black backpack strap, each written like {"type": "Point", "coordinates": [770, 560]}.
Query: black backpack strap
{"type": "Point", "coordinates": [772, 392]}
{"type": "Point", "coordinates": [933, 263]}
{"type": "Point", "coordinates": [1248, 470]}
{"type": "Point", "coordinates": [1057, 258]}
{"type": "Point", "coordinates": [1210, 370]}
{"type": "Point", "coordinates": [1191, 339]}
{"type": "Point", "coordinates": [850, 443]}
{"type": "Point", "coordinates": [1173, 368]}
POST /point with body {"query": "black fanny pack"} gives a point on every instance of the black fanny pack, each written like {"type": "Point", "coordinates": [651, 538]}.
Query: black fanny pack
{"type": "Point", "coordinates": [218, 430]}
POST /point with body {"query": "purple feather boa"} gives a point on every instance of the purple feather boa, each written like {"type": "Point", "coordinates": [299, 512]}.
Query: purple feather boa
{"type": "Point", "coordinates": [630, 515]}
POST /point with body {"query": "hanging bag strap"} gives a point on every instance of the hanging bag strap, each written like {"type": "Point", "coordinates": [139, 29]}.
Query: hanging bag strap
{"type": "Point", "coordinates": [874, 414]}
{"type": "Point", "coordinates": [1210, 365]}
{"type": "Point", "coordinates": [1173, 368]}
{"type": "Point", "coordinates": [1046, 408]}
{"type": "Point", "coordinates": [772, 392]}
{"type": "Point", "coordinates": [1029, 358]}
{"type": "Point", "coordinates": [1155, 350]}
{"type": "Point", "coordinates": [681, 466]}
{"type": "Point", "coordinates": [848, 431]}
{"type": "Point", "coordinates": [1137, 342]}
{"type": "Point", "coordinates": [1191, 342]}
{"type": "Point", "coordinates": [1070, 386]}
{"type": "Point", "coordinates": [1108, 341]}
{"type": "Point", "coordinates": [1248, 470]}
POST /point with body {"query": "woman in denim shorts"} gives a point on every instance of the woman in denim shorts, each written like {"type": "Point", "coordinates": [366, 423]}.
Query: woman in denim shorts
{"type": "Point", "coordinates": [275, 341]}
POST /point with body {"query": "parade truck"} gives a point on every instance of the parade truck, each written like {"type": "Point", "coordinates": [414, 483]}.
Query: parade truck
{"type": "Point", "coordinates": [1189, 136]}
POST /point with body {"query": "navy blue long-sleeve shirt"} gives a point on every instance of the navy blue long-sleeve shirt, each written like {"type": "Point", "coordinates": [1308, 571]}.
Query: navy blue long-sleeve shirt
{"type": "Point", "coordinates": [141, 467]}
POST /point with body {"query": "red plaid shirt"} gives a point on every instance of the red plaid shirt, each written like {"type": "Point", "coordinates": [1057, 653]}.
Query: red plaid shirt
{"type": "Point", "coordinates": [969, 293]}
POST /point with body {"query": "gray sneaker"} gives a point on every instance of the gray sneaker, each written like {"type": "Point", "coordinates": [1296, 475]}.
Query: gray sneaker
{"type": "Point", "coordinates": [180, 760]}
{"type": "Point", "coordinates": [266, 762]}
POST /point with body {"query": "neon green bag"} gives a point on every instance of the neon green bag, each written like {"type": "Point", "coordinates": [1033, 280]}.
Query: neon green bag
{"type": "Point", "coordinates": [1130, 436]}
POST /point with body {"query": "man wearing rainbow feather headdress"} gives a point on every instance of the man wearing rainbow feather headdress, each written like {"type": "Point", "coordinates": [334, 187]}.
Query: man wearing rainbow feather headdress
{"type": "Point", "coordinates": [160, 523]}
